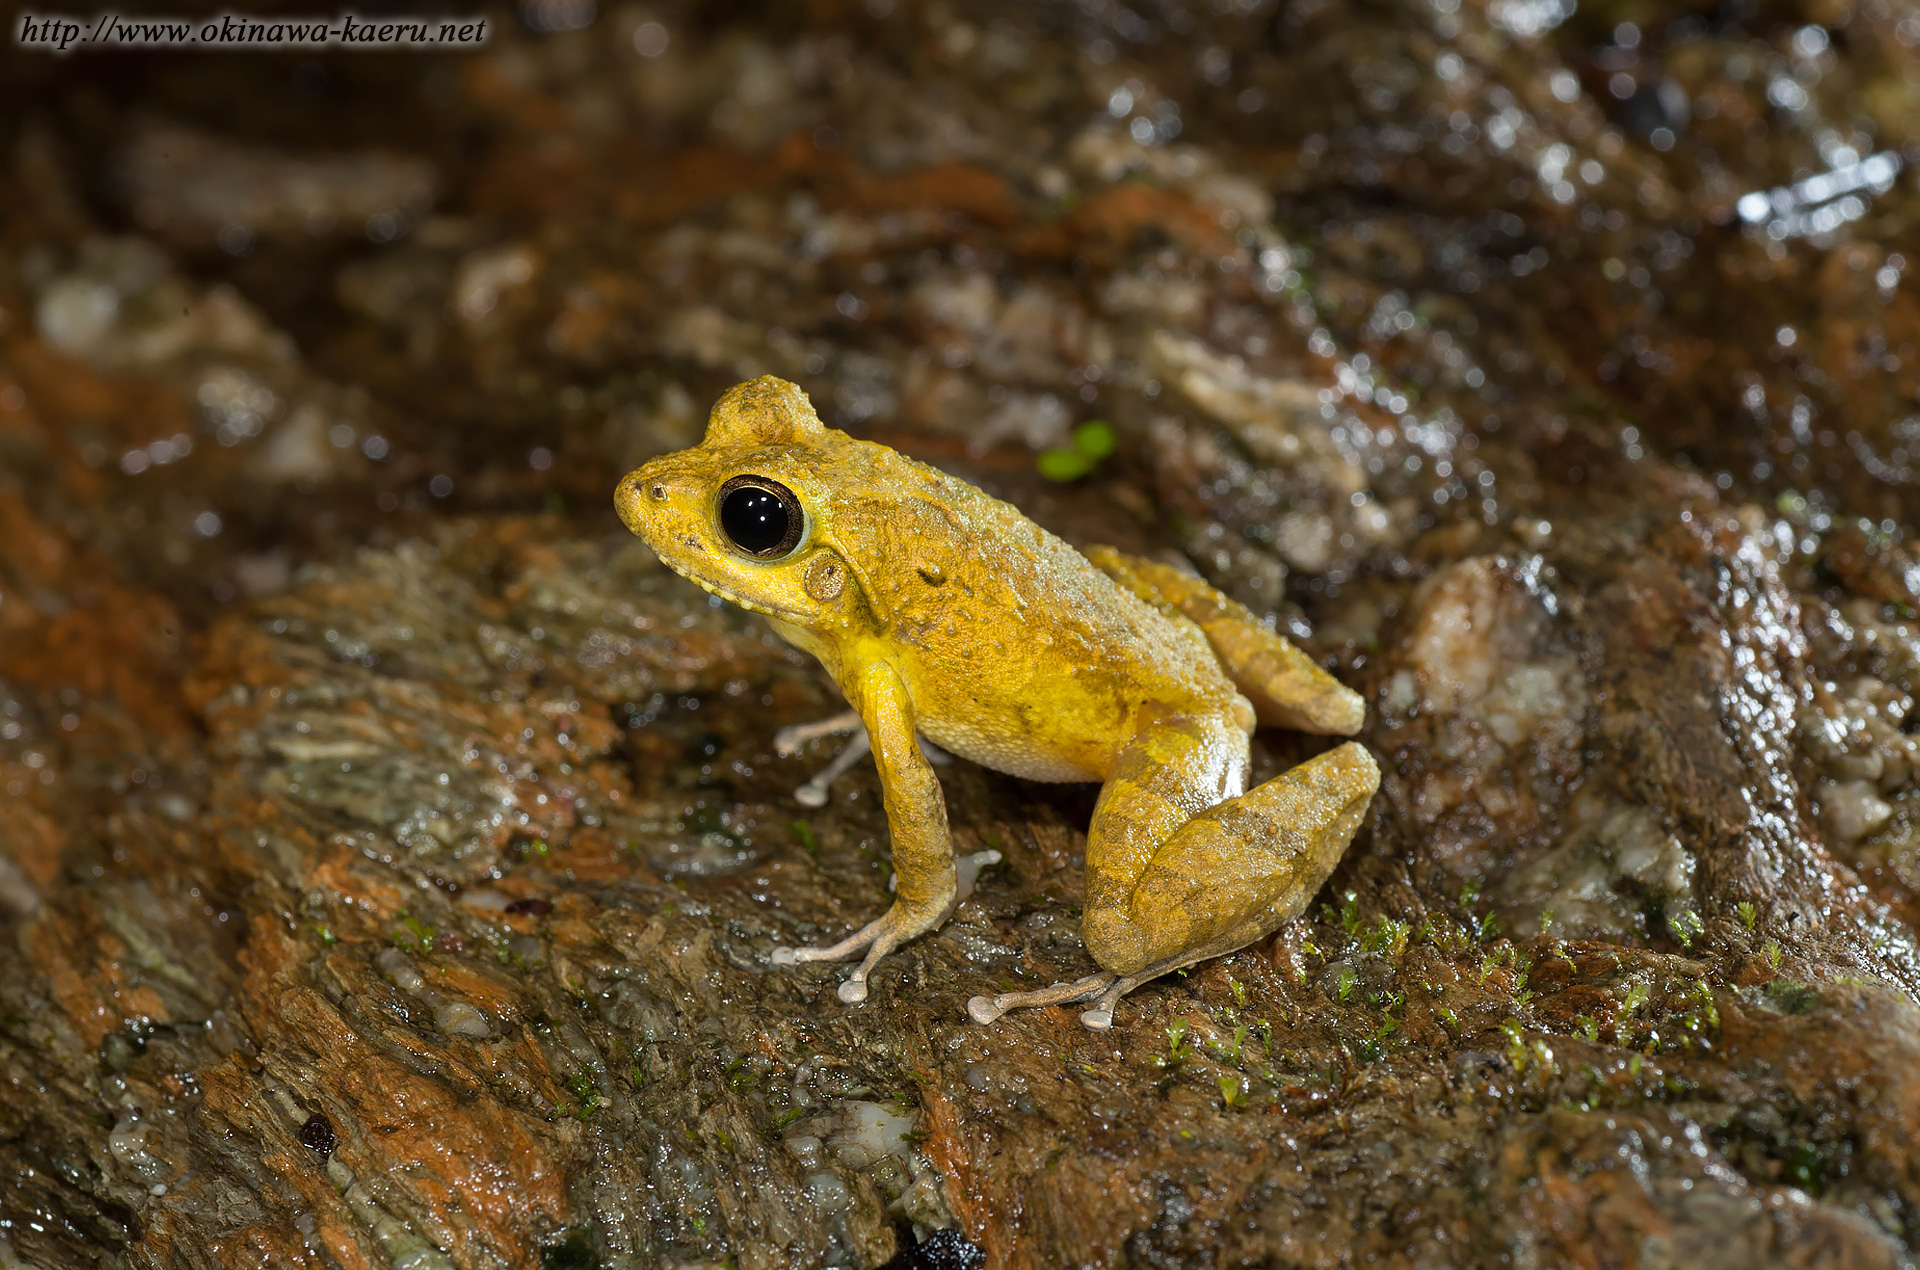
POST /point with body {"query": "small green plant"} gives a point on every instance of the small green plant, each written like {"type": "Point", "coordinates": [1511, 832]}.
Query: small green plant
{"type": "Point", "coordinates": [804, 835]}
{"type": "Point", "coordinates": [1177, 1048]}
{"type": "Point", "coordinates": [1637, 995]}
{"type": "Point", "coordinates": [414, 935]}
{"type": "Point", "coordinates": [1589, 1027]}
{"type": "Point", "coordinates": [1685, 925]}
{"type": "Point", "coordinates": [1516, 1044]}
{"type": "Point", "coordinates": [1093, 442]}
{"type": "Point", "coordinates": [1231, 1090]}
{"type": "Point", "coordinates": [1546, 921]}
{"type": "Point", "coordinates": [1389, 935]}
{"type": "Point", "coordinates": [1747, 913]}
{"type": "Point", "coordinates": [586, 1098]}
{"type": "Point", "coordinates": [1706, 1011]}
{"type": "Point", "coordinates": [1772, 951]}
{"type": "Point", "coordinates": [1343, 981]}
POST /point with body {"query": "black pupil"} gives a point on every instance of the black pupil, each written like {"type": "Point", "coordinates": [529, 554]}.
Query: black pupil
{"type": "Point", "coordinates": [755, 519]}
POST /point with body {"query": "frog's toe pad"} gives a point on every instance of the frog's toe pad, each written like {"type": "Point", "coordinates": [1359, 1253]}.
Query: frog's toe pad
{"type": "Point", "coordinates": [967, 869]}
{"type": "Point", "coordinates": [1098, 1019]}
{"type": "Point", "coordinates": [853, 991]}
{"type": "Point", "coordinates": [984, 1009]}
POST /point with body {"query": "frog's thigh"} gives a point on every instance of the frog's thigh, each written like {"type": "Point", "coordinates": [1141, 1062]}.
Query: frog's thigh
{"type": "Point", "coordinates": [1227, 872]}
{"type": "Point", "coordinates": [1288, 689]}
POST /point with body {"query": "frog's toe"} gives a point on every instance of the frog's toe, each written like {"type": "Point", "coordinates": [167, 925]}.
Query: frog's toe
{"type": "Point", "coordinates": [987, 1009]}
{"type": "Point", "coordinates": [788, 740]}
{"type": "Point", "coordinates": [968, 869]}
{"type": "Point", "coordinates": [1100, 1017]}
{"type": "Point", "coordinates": [832, 952]}
{"type": "Point", "coordinates": [878, 938]}
{"type": "Point", "coordinates": [816, 791]}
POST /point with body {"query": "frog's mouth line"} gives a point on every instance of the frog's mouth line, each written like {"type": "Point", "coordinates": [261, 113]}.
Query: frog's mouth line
{"type": "Point", "coordinates": [730, 597]}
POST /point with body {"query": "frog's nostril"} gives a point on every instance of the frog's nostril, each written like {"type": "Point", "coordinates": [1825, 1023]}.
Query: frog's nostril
{"type": "Point", "coordinates": [659, 492]}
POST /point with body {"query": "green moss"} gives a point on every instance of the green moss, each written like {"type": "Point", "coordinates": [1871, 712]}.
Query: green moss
{"type": "Point", "coordinates": [1788, 996]}
{"type": "Point", "coordinates": [1806, 1165]}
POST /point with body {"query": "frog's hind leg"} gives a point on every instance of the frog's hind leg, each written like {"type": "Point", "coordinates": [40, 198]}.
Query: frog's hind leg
{"type": "Point", "coordinates": [1100, 1017]}
{"type": "Point", "coordinates": [1287, 688]}
{"type": "Point", "coordinates": [1161, 897]}
{"type": "Point", "coordinates": [1107, 986]}
{"type": "Point", "coordinates": [987, 1009]}
{"type": "Point", "coordinates": [1182, 866]}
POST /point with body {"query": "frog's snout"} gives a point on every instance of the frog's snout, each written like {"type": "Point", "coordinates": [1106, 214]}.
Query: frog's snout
{"type": "Point", "coordinates": [626, 499]}
{"type": "Point", "coordinates": [639, 497]}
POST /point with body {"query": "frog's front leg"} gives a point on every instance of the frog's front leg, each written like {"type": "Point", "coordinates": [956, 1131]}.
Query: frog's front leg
{"type": "Point", "coordinates": [1182, 866]}
{"type": "Point", "coordinates": [927, 881]}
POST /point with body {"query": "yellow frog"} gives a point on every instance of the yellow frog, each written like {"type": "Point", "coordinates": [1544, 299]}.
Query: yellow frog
{"type": "Point", "coordinates": [942, 612]}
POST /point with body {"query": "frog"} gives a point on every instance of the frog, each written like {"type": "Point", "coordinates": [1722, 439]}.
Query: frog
{"type": "Point", "coordinates": [943, 613]}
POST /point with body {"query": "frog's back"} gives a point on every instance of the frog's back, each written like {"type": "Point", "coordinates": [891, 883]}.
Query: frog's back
{"type": "Point", "coordinates": [1019, 653]}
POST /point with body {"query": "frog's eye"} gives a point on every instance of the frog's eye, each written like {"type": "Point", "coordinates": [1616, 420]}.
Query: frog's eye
{"type": "Point", "coordinates": [760, 517]}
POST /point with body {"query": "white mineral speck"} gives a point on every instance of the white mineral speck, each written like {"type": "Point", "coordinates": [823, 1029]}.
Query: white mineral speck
{"type": "Point", "coordinates": [457, 1018]}
{"type": "Point", "coordinates": [1851, 810]}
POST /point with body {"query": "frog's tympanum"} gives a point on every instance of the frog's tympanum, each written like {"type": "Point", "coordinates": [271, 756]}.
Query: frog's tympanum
{"type": "Point", "coordinates": [944, 613]}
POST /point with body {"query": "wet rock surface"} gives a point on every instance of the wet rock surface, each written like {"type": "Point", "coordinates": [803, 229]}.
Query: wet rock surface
{"type": "Point", "coordinates": [391, 850]}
